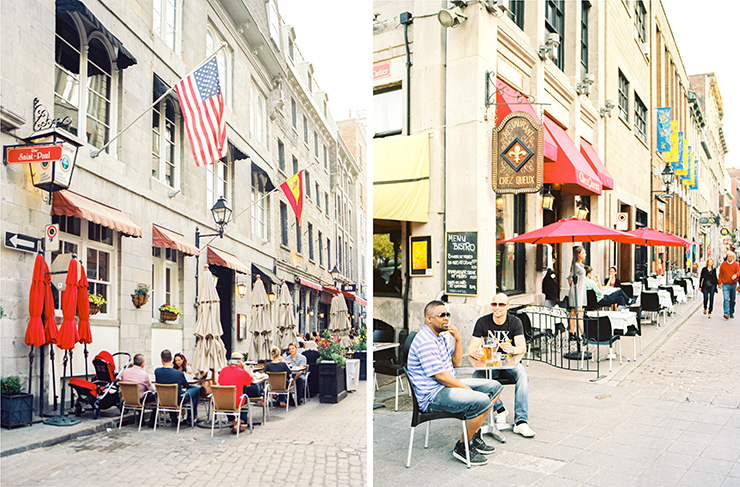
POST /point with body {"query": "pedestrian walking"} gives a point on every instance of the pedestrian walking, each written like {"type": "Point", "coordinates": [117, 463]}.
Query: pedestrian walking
{"type": "Point", "coordinates": [729, 272]}
{"type": "Point", "coordinates": [708, 285]}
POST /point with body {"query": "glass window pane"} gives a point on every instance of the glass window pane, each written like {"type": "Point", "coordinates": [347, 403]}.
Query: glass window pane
{"type": "Point", "coordinates": [103, 267]}
{"type": "Point", "coordinates": [92, 264]}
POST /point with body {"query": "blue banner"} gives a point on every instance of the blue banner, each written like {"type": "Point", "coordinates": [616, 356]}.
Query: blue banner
{"type": "Point", "coordinates": [678, 165]}
{"type": "Point", "coordinates": [695, 175]}
{"type": "Point", "coordinates": [688, 169]}
{"type": "Point", "coordinates": [664, 129]}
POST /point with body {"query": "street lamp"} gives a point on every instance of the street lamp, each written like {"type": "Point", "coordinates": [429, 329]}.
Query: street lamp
{"type": "Point", "coordinates": [666, 175]}
{"type": "Point", "coordinates": [547, 198]}
{"type": "Point", "coordinates": [221, 216]}
{"type": "Point", "coordinates": [335, 275]}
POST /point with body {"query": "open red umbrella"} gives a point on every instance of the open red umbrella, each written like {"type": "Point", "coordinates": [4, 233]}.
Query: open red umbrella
{"type": "Point", "coordinates": [35, 331]}
{"type": "Point", "coordinates": [570, 230]}
{"type": "Point", "coordinates": [68, 331]}
{"type": "Point", "coordinates": [650, 236]}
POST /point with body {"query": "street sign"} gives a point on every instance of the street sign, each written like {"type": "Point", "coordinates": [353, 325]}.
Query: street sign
{"type": "Point", "coordinates": [52, 237]}
{"type": "Point", "coordinates": [28, 153]}
{"type": "Point", "coordinates": [622, 221]}
{"type": "Point", "coordinates": [22, 242]}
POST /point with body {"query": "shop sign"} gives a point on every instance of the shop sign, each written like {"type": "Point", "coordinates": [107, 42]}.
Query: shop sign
{"type": "Point", "coordinates": [461, 269]}
{"type": "Point", "coordinates": [517, 154]}
{"type": "Point", "coordinates": [25, 154]}
{"type": "Point", "coordinates": [382, 70]}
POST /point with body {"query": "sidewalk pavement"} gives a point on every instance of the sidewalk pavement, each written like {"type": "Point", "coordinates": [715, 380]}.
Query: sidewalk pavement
{"type": "Point", "coordinates": [640, 425]}
{"type": "Point", "coordinates": [314, 444]}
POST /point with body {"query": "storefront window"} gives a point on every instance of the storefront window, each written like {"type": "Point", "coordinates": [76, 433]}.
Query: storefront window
{"type": "Point", "coordinates": [387, 260]}
{"type": "Point", "coordinates": [510, 257]}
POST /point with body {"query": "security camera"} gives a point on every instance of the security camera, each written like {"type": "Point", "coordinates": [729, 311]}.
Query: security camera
{"type": "Point", "coordinates": [609, 104]}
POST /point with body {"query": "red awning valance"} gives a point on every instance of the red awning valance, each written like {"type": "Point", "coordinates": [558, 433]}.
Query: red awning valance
{"type": "Point", "coordinates": [309, 283]}
{"type": "Point", "coordinates": [67, 203]}
{"type": "Point", "coordinates": [570, 169]}
{"type": "Point", "coordinates": [161, 237]}
{"type": "Point", "coordinates": [510, 102]}
{"type": "Point", "coordinates": [594, 161]}
{"type": "Point", "coordinates": [225, 259]}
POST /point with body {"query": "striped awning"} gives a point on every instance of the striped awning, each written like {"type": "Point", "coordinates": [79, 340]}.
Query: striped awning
{"type": "Point", "coordinates": [225, 259]}
{"type": "Point", "coordinates": [67, 203]}
{"type": "Point", "coordinates": [162, 237]}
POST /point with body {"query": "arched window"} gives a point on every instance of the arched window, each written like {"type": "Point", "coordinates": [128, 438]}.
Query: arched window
{"type": "Point", "coordinates": [98, 93]}
{"type": "Point", "coordinates": [67, 76]}
{"type": "Point", "coordinates": [223, 59]}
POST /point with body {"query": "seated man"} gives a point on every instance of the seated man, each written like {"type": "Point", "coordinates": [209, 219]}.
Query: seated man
{"type": "Point", "coordinates": [507, 329]}
{"type": "Point", "coordinates": [235, 375]}
{"type": "Point", "coordinates": [431, 373]}
{"type": "Point", "coordinates": [167, 375]}
{"type": "Point", "coordinates": [618, 296]}
{"type": "Point", "coordinates": [295, 359]}
{"type": "Point", "coordinates": [136, 373]}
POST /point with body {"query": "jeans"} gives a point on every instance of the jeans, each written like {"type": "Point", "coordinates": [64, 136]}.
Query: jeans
{"type": "Point", "coordinates": [618, 297]}
{"type": "Point", "coordinates": [728, 290]}
{"type": "Point", "coordinates": [518, 375]}
{"type": "Point", "coordinates": [709, 295]}
{"type": "Point", "coordinates": [193, 393]}
{"type": "Point", "coordinates": [473, 403]}
{"type": "Point", "coordinates": [300, 386]}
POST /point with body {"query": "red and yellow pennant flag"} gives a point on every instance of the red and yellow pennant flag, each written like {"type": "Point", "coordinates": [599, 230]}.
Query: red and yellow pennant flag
{"type": "Point", "coordinates": [293, 189]}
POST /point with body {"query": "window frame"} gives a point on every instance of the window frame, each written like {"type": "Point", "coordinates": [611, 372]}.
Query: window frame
{"type": "Point", "coordinates": [174, 146]}
{"type": "Point", "coordinates": [640, 119]}
{"type": "Point", "coordinates": [516, 12]}
{"type": "Point", "coordinates": [257, 114]}
{"type": "Point", "coordinates": [225, 182]}
{"type": "Point", "coordinates": [160, 265]}
{"type": "Point", "coordinates": [623, 88]}
{"type": "Point", "coordinates": [176, 43]}
{"type": "Point", "coordinates": [585, 10]}
{"type": "Point", "coordinates": [224, 60]}
{"type": "Point", "coordinates": [281, 155]}
{"type": "Point", "coordinates": [311, 255]}
{"type": "Point", "coordinates": [388, 111]}
{"type": "Point", "coordinates": [284, 236]}
{"type": "Point", "coordinates": [260, 207]}
{"type": "Point", "coordinates": [556, 25]}
{"type": "Point", "coordinates": [640, 21]}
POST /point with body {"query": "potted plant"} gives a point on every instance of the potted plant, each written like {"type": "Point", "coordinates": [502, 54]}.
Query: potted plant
{"type": "Point", "coordinates": [168, 312]}
{"type": "Point", "coordinates": [96, 302]}
{"type": "Point", "coordinates": [359, 345]}
{"type": "Point", "coordinates": [16, 408]}
{"type": "Point", "coordinates": [141, 295]}
{"type": "Point", "coordinates": [332, 375]}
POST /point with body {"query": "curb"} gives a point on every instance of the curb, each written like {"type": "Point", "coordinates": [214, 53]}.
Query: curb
{"type": "Point", "coordinates": [111, 423]}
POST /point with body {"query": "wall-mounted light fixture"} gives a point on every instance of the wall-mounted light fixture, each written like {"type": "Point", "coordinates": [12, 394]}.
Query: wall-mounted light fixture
{"type": "Point", "coordinates": [242, 290]}
{"type": "Point", "coordinates": [584, 87]}
{"type": "Point", "coordinates": [606, 110]}
{"type": "Point", "coordinates": [582, 209]}
{"type": "Point", "coordinates": [271, 296]}
{"type": "Point", "coordinates": [547, 198]}
{"type": "Point", "coordinates": [549, 50]}
{"type": "Point", "coordinates": [451, 17]}
{"type": "Point", "coordinates": [321, 315]}
{"type": "Point", "coordinates": [310, 312]}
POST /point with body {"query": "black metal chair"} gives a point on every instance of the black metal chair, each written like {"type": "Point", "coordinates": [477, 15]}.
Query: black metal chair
{"type": "Point", "coordinates": [650, 302]}
{"type": "Point", "coordinates": [418, 417]}
{"type": "Point", "coordinates": [634, 332]}
{"type": "Point", "coordinates": [598, 331]}
{"type": "Point", "coordinates": [533, 335]}
{"type": "Point", "coordinates": [397, 370]}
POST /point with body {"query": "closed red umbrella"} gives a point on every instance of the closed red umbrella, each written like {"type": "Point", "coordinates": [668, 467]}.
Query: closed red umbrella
{"type": "Point", "coordinates": [570, 230]}
{"type": "Point", "coordinates": [51, 332]}
{"type": "Point", "coordinates": [650, 236]}
{"type": "Point", "coordinates": [35, 331]}
{"type": "Point", "coordinates": [68, 331]}
{"type": "Point", "coordinates": [83, 308]}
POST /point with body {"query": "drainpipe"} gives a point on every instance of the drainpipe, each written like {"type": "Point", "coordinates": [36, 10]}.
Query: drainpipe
{"type": "Point", "coordinates": [406, 19]}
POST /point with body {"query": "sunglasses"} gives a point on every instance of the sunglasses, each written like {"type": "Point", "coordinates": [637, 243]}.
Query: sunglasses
{"type": "Point", "coordinates": [442, 315]}
{"type": "Point", "coordinates": [499, 305]}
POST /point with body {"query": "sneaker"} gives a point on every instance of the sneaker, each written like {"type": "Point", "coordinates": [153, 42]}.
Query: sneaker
{"type": "Point", "coordinates": [725, 317]}
{"type": "Point", "coordinates": [705, 311]}
{"type": "Point", "coordinates": [500, 418]}
{"type": "Point", "coordinates": [524, 430]}
{"type": "Point", "coordinates": [476, 458]}
{"type": "Point", "coordinates": [709, 315]}
{"type": "Point", "coordinates": [481, 445]}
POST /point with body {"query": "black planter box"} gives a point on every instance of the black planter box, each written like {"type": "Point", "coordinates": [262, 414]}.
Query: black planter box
{"type": "Point", "coordinates": [362, 355]}
{"type": "Point", "coordinates": [332, 382]}
{"type": "Point", "coordinates": [16, 410]}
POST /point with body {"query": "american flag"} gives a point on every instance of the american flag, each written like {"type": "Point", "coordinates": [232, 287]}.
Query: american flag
{"type": "Point", "coordinates": [202, 105]}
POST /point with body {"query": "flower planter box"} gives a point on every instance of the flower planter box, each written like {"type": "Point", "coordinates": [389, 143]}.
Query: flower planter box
{"type": "Point", "coordinates": [332, 382]}
{"type": "Point", "coordinates": [139, 300]}
{"type": "Point", "coordinates": [16, 410]}
{"type": "Point", "coordinates": [167, 316]}
{"type": "Point", "coordinates": [362, 355]}
{"type": "Point", "coordinates": [94, 309]}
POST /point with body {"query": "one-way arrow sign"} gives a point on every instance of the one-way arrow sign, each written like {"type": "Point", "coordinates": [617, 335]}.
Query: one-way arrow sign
{"type": "Point", "coordinates": [21, 242]}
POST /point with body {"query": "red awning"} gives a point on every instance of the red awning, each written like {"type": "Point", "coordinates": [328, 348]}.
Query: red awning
{"type": "Point", "coordinates": [68, 203]}
{"type": "Point", "coordinates": [225, 259]}
{"type": "Point", "coordinates": [512, 103]}
{"type": "Point", "coordinates": [311, 284]}
{"type": "Point", "coordinates": [161, 237]}
{"type": "Point", "coordinates": [360, 300]}
{"type": "Point", "coordinates": [594, 161]}
{"type": "Point", "coordinates": [570, 169]}
{"type": "Point", "coordinates": [330, 289]}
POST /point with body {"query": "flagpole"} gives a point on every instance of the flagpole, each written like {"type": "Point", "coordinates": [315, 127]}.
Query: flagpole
{"type": "Point", "coordinates": [95, 153]}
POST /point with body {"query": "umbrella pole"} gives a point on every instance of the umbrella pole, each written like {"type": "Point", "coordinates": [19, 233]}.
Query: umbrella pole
{"type": "Point", "coordinates": [53, 377]}
{"type": "Point", "coordinates": [86, 355]}
{"type": "Point", "coordinates": [71, 391]}
{"type": "Point", "coordinates": [31, 356]}
{"type": "Point", "coordinates": [63, 420]}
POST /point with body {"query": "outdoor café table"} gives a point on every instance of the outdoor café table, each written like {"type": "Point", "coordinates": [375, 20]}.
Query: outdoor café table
{"type": "Point", "coordinates": [474, 365]}
{"type": "Point", "coordinates": [619, 320]}
{"type": "Point", "coordinates": [664, 297]}
{"type": "Point", "coordinates": [680, 293]}
{"type": "Point", "coordinates": [654, 282]}
{"type": "Point", "coordinates": [377, 347]}
{"type": "Point", "coordinates": [352, 368]}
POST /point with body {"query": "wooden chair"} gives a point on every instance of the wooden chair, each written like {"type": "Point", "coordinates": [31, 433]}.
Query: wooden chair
{"type": "Point", "coordinates": [167, 402]}
{"type": "Point", "coordinates": [276, 385]}
{"type": "Point", "coordinates": [131, 400]}
{"type": "Point", "coordinates": [418, 417]}
{"type": "Point", "coordinates": [224, 401]}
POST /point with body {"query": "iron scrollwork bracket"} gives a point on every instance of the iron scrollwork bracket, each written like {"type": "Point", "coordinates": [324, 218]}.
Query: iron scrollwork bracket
{"type": "Point", "coordinates": [43, 120]}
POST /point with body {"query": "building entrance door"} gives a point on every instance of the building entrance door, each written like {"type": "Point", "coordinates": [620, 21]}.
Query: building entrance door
{"type": "Point", "coordinates": [225, 289]}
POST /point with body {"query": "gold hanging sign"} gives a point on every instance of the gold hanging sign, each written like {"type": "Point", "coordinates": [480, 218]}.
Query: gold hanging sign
{"type": "Point", "coordinates": [517, 154]}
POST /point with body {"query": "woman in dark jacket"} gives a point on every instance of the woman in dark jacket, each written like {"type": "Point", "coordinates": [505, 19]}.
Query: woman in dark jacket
{"type": "Point", "coordinates": [612, 280]}
{"type": "Point", "coordinates": [708, 285]}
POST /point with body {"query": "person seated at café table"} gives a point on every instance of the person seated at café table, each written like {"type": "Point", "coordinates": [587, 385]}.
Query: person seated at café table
{"type": "Point", "coordinates": [235, 375]}
{"type": "Point", "coordinates": [618, 296]}
{"type": "Point", "coordinates": [301, 346]}
{"type": "Point", "coordinates": [296, 359]}
{"type": "Point", "coordinates": [136, 373]}
{"type": "Point", "coordinates": [509, 332]}
{"type": "Point", "coordinates": [612, 280]}
{"type": "Point", "coordinates": [431, 372]}
{"type": "Point", "coordinates": [179, 362]}
{"type": "Point", "coordinates": [166, 374]}
{"type": "Point", "coordinates": [277, 364]}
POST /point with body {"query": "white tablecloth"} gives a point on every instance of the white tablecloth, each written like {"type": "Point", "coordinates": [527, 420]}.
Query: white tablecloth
{"type": "Point", "coordinates": [679, 293]}
{"type": "Point", "coordinates": [352, 368]}
{"type": "Point", "coordinates": [620, 320]}
{"type": "Point", "coordinates": [654, 282]}
{"type": "Point", "coordinates": [664, 297]}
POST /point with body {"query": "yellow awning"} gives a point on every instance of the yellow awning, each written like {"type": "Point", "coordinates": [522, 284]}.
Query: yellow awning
{"type": "Point", "coordinates": [401, 178]}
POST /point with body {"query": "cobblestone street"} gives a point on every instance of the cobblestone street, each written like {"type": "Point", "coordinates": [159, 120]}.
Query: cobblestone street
{"type": "Point", "coordinates": [316, 444]}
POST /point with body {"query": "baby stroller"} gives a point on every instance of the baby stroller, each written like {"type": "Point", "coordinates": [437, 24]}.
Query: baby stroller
{"type": "Point", "coordinates": [103, 392]}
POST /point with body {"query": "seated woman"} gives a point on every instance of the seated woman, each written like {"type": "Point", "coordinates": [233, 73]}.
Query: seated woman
{"type": "Point", "coordinates": [277, 364]}
{"type": "Point", "coordinates": [612, 280]}
{"type": "Point", "coordinates": [181, 363]}
{"type": "Point", "coordinates": [617, 297]}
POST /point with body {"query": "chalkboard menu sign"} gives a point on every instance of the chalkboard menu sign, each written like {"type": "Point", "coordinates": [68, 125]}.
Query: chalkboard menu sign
{"type": "Point", "coordinates": [461, 252]}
